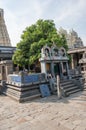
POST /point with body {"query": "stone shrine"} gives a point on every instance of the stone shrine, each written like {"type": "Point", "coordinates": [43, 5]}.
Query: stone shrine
{"type": "Point", "coordinates": [54, 61]}
{"type": "Point", "coordinates": [76, 54]}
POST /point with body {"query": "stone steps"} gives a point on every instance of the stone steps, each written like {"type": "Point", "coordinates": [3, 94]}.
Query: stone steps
{"type": "Point", "coordinates": [73, 87]}
{"type": "Point", "coordinates": [73, 91]}
{"type": "Point", "coordinates": [85, 86]}
{"type": "Point", "coordinates": [68, 87]}
{"type": "Point", "coordinates": [63, 83]}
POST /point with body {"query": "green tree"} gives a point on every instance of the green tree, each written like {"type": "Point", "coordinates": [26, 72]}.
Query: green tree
{"type": "Point", "coordinates": [34, 38]}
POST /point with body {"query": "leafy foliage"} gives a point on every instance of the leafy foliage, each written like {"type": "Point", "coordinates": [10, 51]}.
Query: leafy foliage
{"type": "Point", "coordinates": [34, 38]}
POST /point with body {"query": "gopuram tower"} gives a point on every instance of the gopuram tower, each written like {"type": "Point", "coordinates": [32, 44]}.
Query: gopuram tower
{"type": "Point", "coordinates": [4, 36]}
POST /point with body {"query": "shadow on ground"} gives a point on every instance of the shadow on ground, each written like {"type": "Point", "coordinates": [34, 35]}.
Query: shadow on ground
{"type": "Point", "coordinates": [79, 96]}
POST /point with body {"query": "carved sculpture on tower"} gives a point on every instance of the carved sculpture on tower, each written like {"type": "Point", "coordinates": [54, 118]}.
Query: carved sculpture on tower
{"type": "Point", "coordinates": [4, 36]}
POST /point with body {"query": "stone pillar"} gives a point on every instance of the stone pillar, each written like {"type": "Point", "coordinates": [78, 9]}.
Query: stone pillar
{"type": "Point", "coordinates": [67, 69]}
{"type": "Point", "coordinates": [58, 88]}
{"type": "Point", "coordinates": [43, 67]}
{"type": "Point", "coordinates": [52, 69]}
{"type": "Point", "coordinates": [61, 69]}
{"type": "Point", "coordinates": [72, 61]}
{"type": "Point", "coordinates": [3, 72]}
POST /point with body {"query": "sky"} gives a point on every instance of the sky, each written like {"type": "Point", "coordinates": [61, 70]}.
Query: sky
{"type": "Point", "coordinates": [68, 14]}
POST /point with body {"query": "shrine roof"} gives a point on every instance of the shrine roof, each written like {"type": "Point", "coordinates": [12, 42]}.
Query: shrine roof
{"type": "Point", "coordinates": [7, 49]}
{"type": "Point", "coordinates": [77, 50]}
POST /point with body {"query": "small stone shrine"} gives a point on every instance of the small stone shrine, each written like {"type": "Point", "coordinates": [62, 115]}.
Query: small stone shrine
{"type": "Point", "coordinates": [54, 61]}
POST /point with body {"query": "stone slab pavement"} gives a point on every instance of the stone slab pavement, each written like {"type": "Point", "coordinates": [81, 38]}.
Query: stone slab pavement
{"type": "Point", "coordinates": [44, 113]}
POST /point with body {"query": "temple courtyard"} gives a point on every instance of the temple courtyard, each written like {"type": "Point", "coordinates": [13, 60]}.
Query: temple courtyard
{"type": "Point", "coordinates": [47, 113]}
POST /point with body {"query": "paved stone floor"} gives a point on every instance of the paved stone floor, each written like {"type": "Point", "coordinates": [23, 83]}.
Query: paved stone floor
{"type": "Point", "coordinates": [44, 113]}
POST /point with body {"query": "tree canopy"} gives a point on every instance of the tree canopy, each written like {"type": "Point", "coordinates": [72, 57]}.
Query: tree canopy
{"type": "Point", "coordinates": [34, 38]}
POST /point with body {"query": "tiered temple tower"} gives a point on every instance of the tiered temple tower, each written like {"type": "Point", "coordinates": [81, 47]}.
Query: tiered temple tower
{"type": "Point", "coordinates": [4, 36]}
{"type": "Point", "coordinates": [73, 40]}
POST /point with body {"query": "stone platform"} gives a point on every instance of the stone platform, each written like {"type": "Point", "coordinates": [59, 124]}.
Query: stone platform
{"type": "Point", "coordinates": [26, 87]}
{"type": "Point", "coordinates": [44, 114]}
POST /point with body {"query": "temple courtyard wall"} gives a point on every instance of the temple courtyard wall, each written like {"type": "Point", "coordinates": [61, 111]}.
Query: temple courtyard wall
{"type": "Point", "coordinates": [44, 113]}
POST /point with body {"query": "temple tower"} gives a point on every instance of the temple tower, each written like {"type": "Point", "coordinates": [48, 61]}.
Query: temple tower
{"type": "Point", "coordinates": [4, 36]}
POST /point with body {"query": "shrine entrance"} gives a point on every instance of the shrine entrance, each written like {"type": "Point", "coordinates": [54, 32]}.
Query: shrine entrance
{"type": "Point", "coordinates": [53, 69]}
{"type": "Point", "coordinates": [54, 61]}
{"type": "Point", "coordinates": [57, 69]}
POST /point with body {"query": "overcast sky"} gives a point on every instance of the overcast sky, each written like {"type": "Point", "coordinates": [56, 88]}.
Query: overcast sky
{"type": "Point", "coordinates": [67, 14]}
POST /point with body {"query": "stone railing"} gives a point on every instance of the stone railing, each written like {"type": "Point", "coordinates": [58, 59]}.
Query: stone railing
{"type": "Point", "coordinates": [74, 71]}
{"type": "Point", "coordinates": [79, 83]}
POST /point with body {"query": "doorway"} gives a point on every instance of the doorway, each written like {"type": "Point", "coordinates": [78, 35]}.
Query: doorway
{"type": "Point", "coordinates": [57, 69]}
